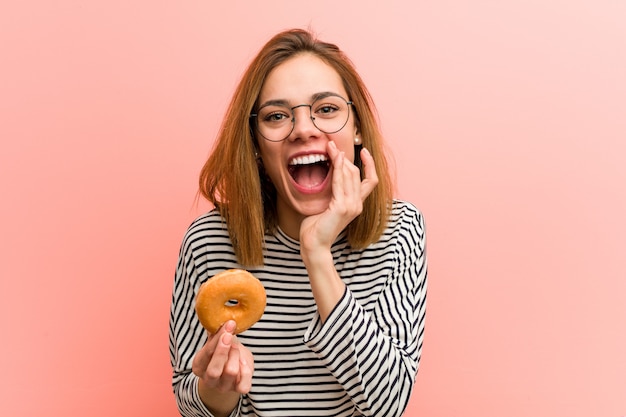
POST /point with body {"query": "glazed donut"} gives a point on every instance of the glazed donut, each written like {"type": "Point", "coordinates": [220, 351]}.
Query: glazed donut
{"type": "Point", "coordinates": [234, 294]}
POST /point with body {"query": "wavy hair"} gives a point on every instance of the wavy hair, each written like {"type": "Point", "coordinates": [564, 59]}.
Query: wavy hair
{"type": "Point", "coordinates": [233, 178]}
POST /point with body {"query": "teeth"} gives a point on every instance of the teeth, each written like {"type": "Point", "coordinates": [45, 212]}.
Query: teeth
{"type": "Point", "coordinates": [308, 159]}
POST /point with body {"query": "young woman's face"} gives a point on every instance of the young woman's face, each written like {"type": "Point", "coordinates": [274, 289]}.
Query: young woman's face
{"type": "Point", "coordinates": [299, 166]}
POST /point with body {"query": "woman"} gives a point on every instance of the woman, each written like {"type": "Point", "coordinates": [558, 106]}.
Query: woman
{"type": "Point", "coordinates": [304, 202]}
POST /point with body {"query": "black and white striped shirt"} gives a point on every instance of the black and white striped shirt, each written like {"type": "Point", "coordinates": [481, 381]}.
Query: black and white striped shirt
{"type": "Point", "coordinates": [361, 361]}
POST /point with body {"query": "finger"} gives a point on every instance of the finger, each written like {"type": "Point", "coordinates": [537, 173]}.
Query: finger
{"type": "Point", "coordinates": [218, 361]}
{"type": "Point", "coordinates": [349, 188]}
{"type": "Point", "coordinates": [370, 177]}
{"type": "Point", "coordinates": [203, 357]}
{"type": "Point", "coordinates": [332, 149]}
{"type": "Point", "coordinates": [229, 326]}
{"type": "Point", "coordinates": [352, 182]}
{"type": "Point", "coordinates": [338, 177]}
{"type": "Point", "coordinates": [245, 376]}
{"type": "Point", "coordinates": [230, 372]}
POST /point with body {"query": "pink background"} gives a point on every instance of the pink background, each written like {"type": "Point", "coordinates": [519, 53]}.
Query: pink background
{"type": "Point", "coordinates": [508, 124]}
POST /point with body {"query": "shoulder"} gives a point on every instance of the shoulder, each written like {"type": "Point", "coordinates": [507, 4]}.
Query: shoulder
{"type": "Point", "coordinates": [405, 214]}
{"type": "Point", "coordinates": [209, 227]}
{"type": "Point", "coordinates": [404, 228]}
{"type": "Point", "coordinates": [407, 227]}
{"type": "Point", "coordinates": [211, 219]}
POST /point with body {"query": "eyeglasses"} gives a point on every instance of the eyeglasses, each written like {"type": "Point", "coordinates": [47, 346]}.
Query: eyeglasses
{"type": "Point", "coordinates": [276, 121]}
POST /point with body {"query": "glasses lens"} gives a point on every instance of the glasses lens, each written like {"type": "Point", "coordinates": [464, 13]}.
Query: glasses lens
{"type": "Point", "coordinates": [329, 114]}
{"type": "Point", "coordinates": [274, 122]}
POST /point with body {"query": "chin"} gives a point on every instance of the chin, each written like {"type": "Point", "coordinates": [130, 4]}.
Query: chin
{"type": "Point", "coordinates": [312, 208]}
{"type": "Point", "coordinates": [310, 204]}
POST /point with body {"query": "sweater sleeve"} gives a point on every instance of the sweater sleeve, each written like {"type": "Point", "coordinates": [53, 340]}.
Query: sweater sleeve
{"type": "Point", "coordinates": [188, 398]}
{"type": "Point", "coordinates": [375, 354]}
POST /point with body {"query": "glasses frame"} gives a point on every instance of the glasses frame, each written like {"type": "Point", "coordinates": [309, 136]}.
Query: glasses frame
{"type": "Point", "coordinates": [254, 122]}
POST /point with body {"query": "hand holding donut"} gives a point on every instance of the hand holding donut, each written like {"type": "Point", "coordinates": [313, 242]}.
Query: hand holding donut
{"type": "Point", "coordinates": [224, 368]}
{"type": "Point", "coordinates": [228, 303]}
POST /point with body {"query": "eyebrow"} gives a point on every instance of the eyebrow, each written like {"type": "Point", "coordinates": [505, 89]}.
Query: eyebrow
{"type": "Point", "coordinates": [285, 103]}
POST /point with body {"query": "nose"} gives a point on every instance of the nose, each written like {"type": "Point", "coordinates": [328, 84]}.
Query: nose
{"type": "Point", "coordinates": [303, 126]}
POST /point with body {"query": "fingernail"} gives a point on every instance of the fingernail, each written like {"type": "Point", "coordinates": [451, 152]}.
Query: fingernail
{"type": "Point", "coordinates": [227, 338]}
{"type": "Point", "coordinates": [230, 326]}
{"type": "Point", "coordinates": [366, 151]}
{"type": "Point", "coordinates": [332, 144]}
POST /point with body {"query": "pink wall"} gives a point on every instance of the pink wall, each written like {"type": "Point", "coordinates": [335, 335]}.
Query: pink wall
{"type": "Point", "coordinates": [508, 123]}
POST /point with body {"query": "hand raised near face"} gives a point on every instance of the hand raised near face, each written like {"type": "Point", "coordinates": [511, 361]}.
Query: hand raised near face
{"type": "Point", "coordinates": [348, 194]}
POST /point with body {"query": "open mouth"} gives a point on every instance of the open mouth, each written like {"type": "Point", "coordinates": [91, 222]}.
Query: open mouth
{"type": "Point", "coordinates": [309, 171]}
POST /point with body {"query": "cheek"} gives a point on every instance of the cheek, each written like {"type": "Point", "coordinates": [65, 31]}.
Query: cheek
{"type": "Point", "coordinates": [273, 173]}
{"type": "Point", "coordinates": [345, 143]}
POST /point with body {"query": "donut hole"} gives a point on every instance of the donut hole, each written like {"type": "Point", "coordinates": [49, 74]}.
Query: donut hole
{"type": "Point", "coordinates": [231, 303]}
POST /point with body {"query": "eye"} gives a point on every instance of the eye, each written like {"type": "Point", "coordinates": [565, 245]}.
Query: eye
{"type": "Point", "coordinates": [275, 116]}
{"type": "Point", "coordinates": [326, 109]}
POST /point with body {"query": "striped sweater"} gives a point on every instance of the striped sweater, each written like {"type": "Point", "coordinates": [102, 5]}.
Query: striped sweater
{"type": "Point", "coordinates": [362, 361]}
